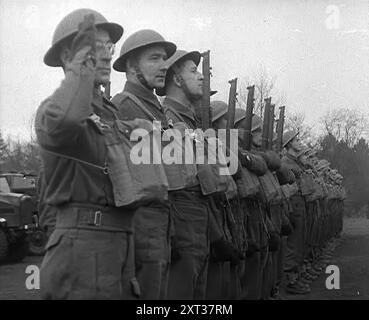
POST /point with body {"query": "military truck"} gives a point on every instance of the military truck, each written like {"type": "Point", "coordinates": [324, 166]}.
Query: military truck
{"type": "Point", "coordinates": [17, 220]}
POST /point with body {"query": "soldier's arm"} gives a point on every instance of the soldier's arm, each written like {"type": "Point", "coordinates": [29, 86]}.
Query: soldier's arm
{"type": "Point", "coordinates": [61, 118]}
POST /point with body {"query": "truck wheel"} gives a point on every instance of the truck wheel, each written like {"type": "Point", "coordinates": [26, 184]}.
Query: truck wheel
{"type": "Point", "coordinates": [18, 250]}
{"type": "Point", "coordinates": [3, 245]}
{"type": "Point", "coordinates": [37, 242]}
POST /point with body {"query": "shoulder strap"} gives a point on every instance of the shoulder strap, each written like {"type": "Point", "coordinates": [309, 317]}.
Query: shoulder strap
{"type": "Point", "coordinates": [140, 104]}
{"type": "Point", "coordinates": [103, 168]}
{"type": "Point", "coordinates": [175, 112]}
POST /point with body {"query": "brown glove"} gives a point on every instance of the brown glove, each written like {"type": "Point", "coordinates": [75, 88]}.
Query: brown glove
{"type": "Point", "coordinates": [86, 37]}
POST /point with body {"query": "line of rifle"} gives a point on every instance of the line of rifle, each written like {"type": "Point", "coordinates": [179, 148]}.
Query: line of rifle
{"type": "Point", "coordinates": [265, 135]}
{"type": "Point", "coordinates": [249, 111]}
{"type": "Point", "coordinates": [231, 112]}
{"type": "Point", "coordinates": [205, 100]}
{"type": "Point", "coordinates": [280, 129]}
{"type": "Point", "coordinates": [271, 126]}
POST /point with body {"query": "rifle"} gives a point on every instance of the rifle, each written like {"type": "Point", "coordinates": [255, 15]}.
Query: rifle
{"type": "Point", "coordinates": [205, 100]}
{"type": "Point", "coordinates": [231, 111]}
{"type": "Point", "coordinates": [271, 126]}
{"type": "Point", "coordinates": [280, 129]}
{"type": "Point", "coordinates": [107, 91]}
{"type": "Point", "coordinates": [249, 110]}
{"type": "Point", "coordinates": [264, 141]}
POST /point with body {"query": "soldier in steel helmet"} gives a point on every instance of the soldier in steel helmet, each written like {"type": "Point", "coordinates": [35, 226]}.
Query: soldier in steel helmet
{"type": "Point", "coordinates": [295, 242]}
{"type": "Point", "coordinates": [142, 58]}
{"type": "Point", "coordinates": [90, 254]}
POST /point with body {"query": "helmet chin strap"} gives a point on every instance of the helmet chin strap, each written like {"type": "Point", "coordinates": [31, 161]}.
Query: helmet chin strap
{"type": "Point", "coordinates": [141, 78]}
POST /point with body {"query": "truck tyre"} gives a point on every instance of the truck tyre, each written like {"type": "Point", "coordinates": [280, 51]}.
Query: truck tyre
{"type": "Point", "coordinates": [4, 245]}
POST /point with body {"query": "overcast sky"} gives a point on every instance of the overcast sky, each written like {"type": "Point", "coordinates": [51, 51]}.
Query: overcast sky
{"type": "Point", "coordinates": [318, 50]}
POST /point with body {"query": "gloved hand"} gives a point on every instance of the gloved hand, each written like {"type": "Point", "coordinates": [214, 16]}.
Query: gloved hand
{"type": "Point", "coordinates": [85, 38]}
{"type": "Point", "coordinates": [223, 250]}
{"type": "Point", "coordinates": [272, 159]}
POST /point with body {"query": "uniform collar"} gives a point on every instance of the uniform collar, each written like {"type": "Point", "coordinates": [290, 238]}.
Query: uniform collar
{"type": "Point", "coordinates": [183, 110]}
{"type": "Point", "coordinates": [143, 93]}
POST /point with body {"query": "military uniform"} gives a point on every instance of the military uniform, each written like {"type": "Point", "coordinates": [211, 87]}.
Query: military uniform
{"type": "Point", "coordinates": [188, 273]}
{"type": "Point", "coordinates": [152, 221]}
{"type": "Point", "coordinates": [90, 253]}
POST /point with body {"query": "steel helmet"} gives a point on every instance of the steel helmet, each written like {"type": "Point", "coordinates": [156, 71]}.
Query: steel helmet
{"type": "Point", "coordinates": [239, 115]}
{"type": "Point", "coordinates": [182, 55]}
{"type": "Point", "coordinates": [289, 136]}
{"type": "Point", "coordinates": [218, 109]}
{"type": "Point", "coordinates": [256, 122]}
{"type": "Point", "coordinates": [140, 39]}
{"type": "Point", "coordinates": [68, 28]}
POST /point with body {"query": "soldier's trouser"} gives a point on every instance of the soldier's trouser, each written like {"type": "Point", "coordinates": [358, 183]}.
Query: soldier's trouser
{"type": "Point", "coordinates": [47, 218]}
{"type": "Point", "coordinates": [295, 242]}
{"type": "Point", "coordinates": [188, 274]}
{"type": "Point", "coordinates": [277, 256]}
{"type": "Point", "coordinates": [152, 250]}
{"type": "Point", "coordinates": [218, 281]}
{"type": "Point", "coordinates": [85, 260]}
{"type": "Point", "coordinates": [251, 280]}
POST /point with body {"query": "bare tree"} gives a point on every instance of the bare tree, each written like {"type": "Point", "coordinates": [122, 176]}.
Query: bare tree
{"type": "Point", "coordinates": [264, 84]}
{"type": "Point", "coordinates": [345, 124]}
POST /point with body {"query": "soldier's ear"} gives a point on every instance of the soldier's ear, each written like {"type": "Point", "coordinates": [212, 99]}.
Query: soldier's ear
{"type": "Point", "coordinates": [66, 56]}
{"type": "Point", "coordinates": [177, 80]}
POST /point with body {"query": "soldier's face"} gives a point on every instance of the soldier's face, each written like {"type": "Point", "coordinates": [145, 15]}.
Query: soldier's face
{"type": "Point", "coordinates": [151, 63]}
{"type": "Point", "coordinates": [257, 137]}
{"type": "Point", "coordinates": [295, 144]}
{"type": "Point", "coordinates": [192, 78]}
{"type": "Point", "coordinates": [103, 58]}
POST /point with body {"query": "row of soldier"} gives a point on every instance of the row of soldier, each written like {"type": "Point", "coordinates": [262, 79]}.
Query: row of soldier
{"type": "Point", "coordinates": [127, 231]}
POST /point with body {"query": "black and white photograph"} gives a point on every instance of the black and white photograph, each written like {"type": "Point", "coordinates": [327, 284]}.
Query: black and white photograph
{"type": "Point", "coordinates": [201, 152]}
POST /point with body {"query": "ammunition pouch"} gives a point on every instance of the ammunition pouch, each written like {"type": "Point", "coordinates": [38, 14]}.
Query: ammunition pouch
{"type": "Point", "coordinates": [268, 187]}
{"type": "Point", "coordinates": [272, 160]}
{"type": "Point", "coordinates": [211, 181]}
{"type": "Point", "coordinates": [133, 183]}
{"type": "Point", "coordinates": [306, 184]}
{"type": "Point", "coordinates": [180, 174]}
{"type": "Point", "coordinates": [248, 185]}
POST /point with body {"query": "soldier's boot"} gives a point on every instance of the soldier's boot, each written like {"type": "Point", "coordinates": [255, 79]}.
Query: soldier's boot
{"type": "Point", "coordinates": [296, 288]}
{"type": "Point", "coordinates": [276, 293]}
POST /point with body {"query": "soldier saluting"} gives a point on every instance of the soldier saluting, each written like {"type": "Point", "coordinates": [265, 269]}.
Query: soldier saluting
{"type": "Point", "coordinates": [90, 253]}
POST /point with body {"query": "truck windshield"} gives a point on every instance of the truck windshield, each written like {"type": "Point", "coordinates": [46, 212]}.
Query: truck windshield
{"type": "Point", "coordinates": [4, 186]}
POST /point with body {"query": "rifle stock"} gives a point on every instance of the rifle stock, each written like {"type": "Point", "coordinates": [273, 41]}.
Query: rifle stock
{"type": "Point", "coordinates": [280, 128]}
{"type": "Point", "coordinates": [249, 110]}
{"type": "Point", "coordinates": [271, 126]}
{"type": "Point", "coordinates": [264, 141]}
{"type": "Point", "coordinates": [231, 111]}
{"type": "Point", "coordinates": [205, 100]}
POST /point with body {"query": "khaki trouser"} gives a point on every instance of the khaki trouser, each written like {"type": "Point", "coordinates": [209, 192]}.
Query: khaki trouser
{"type": "Point", "coordinates": [188, 272]}
{"type": "Point", "coordinates": [152, 250]}
{"type": "Point", "coordinates": [84, 261]}
{"type": "Point", "coordinates": [295, 241]}
{"type": "Point", "coordinates": [251, 280]}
